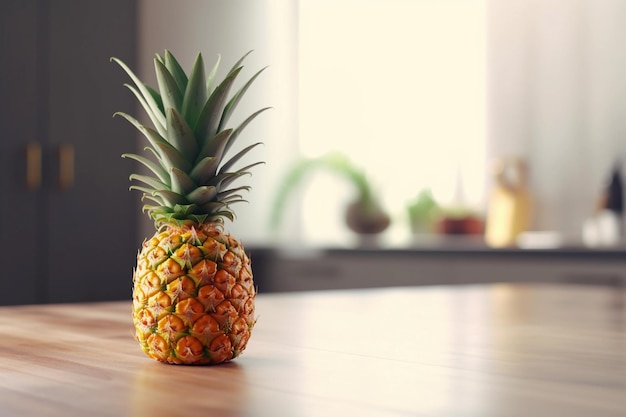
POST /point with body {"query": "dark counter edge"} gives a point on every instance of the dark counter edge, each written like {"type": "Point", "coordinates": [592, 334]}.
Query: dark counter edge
{"type": "Point", "coordinates": [561, 253]}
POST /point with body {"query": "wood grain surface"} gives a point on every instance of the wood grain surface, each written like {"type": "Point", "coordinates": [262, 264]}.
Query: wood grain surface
{"type": "Point", "coordinates": [483, 350]}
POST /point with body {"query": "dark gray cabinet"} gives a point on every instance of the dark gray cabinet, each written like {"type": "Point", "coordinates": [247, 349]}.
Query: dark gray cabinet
{"type": "Point", "coordinates": [68, 223]}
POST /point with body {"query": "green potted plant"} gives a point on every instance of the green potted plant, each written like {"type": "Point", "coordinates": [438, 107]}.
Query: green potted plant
{"type": "Point", "coordinates": [363, 215]}
{"type": "Point", "coordinates": [422, 212]}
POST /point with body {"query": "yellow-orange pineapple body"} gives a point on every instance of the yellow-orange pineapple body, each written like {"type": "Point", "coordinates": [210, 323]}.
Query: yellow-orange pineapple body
{"type": "Point", "coordinates": [193, 295]}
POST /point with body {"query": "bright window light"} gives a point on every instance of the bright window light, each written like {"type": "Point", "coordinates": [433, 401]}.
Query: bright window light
{"type": "Point", "coordinates": [399, 87]}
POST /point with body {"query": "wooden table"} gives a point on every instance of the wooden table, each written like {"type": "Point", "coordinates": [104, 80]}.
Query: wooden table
{"type": "Point", "coordinates": [485, 350]}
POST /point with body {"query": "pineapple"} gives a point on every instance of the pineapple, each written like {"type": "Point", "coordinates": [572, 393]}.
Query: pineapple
{"type": "Point", "coordinates": [193, 293]}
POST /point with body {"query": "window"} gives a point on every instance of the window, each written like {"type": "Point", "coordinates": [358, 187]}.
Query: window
{"type": "Point", "coordinates": [399, 87]}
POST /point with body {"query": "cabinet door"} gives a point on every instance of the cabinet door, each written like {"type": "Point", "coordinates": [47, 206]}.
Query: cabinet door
{"type": "Point", "coordinates": [22, 210]}
{"type": "Point", "coordinates": [92, 216]}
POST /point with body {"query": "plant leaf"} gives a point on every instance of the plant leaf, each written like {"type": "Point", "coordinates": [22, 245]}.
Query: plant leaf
{"type": "Point", "coordinates": [210, 81]}
{"type": "Point", "coordinates": [153, 136]}
{"type": "Point", "coordinates": [165, 153]}
{"type": "Point", "coordinates": [235, 198]}
{"type": "Point", "coordinates": [144, 92]}
{"type": "Point", "coordinates": [157, 97]}
{"type": "Point", "coordinates": [212, 206]}
{"type": "Point", "coordinates": [149, 208]}
{"type": "Point", "coordinates": [223, 180]}
{"type": "Point", "coordinates": [228, 177]}
{"type": "Point", "coordinates": [237, 157]}
{"type": "Point", "coordinates": [180, 135]}
{"type": "Point", "coordinates": [204, 169]}
{"type": "Point", "coordinates": [160, 58]}
{"type": "Point", "coordinates": [202, 195]}
{"type": "Point", "coordinates": [224, 213]}
{"type": "Point", "coordinates": [171, 158]}
{"type": "Point", "coordinates": [176, 70]}
{"type": "Point", "coordinates": [238, 63]}
{"type": "Point", "coordinates": [186, 209]}
{"type": "Point", "coordinates": [246, 169]}
{"type": "Point", "coordinates": [215, 146]}
{"type": "Point", "coordinates": [150, 197]}
{"type": "Point", "coordinates": [152, 166]}
{"type": "Point", "coordinates": [170, 93]}
{"type": "Point", "coordinates": [151, 181]}
{"type": "Point", "coordinates": [181, 183]}
{"type": "Point", "coordinates": [157, 119]}
{"type": "Point", "coordinates": [195, 94]}
{"type": "Point", "coordinates": [224, 194]}
{"type": "Point", "coordinates": [170, 197]}
{"type": "Point", "coordinates": [234, 101]}
{"type": "Point", "coordinates": [241, 127]}
{"type": "Point", "coordinates": [211, 114]}
{"type": "Point", "coordinates": [228, 214]}
{"type": "Point", "coordinates": [148, 193]}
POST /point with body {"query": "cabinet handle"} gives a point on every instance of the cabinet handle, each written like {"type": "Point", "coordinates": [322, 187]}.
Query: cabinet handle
{"type": "Point", "coordinates": [66, 166]}
{"type": "Point", "coordinates": [33, 166]}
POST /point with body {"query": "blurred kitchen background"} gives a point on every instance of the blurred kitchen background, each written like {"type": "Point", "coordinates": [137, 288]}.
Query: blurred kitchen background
{"type": "Point", "coordinates": [491, 132]}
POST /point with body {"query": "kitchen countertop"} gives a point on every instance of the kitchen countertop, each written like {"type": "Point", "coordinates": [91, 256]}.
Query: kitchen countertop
{"type": "Point", "coordinates": [449, 246]}
{"type": "Point", "coordinates": [447, 261]}
{"type": "Point", "coordinates": [469, 350]}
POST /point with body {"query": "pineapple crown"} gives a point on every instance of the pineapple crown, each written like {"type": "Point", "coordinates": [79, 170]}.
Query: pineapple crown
{"type": "Point", "coordinates": [191, 179]}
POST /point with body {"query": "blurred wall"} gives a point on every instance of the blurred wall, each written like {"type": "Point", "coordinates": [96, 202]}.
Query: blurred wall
{"type": "Point", "coordinates": [555, 85]}
{"type": "Point", "coordinates": [556, 95]}
{"type": "Point", "coordinates": [232, 28]}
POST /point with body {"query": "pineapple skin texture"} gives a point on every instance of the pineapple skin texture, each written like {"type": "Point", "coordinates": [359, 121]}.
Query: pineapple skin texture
{"type": "Point", "coordinates": [193, 296]}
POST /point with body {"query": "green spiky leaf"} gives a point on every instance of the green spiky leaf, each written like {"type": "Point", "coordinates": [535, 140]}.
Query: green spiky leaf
{"type": "Point", "coordinates": [241, 127]}
{"type": "Point", "coordinates": [235, 198]}
{"type": "Point", "coordinates": [180, 135]}
{"type": "Point", "coordinates": [143, 91]}
{"type": "Point", "coordinates": [148, 193]}
{"type": "Point", "coordinates": [211, 77]}
{"type": "Point", "coordinates": [240, 62]}
{"type": "Point", "coordinates": [195, 94]}
{"type": "Point", "coordinates": [232, 104]}
{"type": "Point", "coordinates": [152, 166]}
{"type": "Point", "coordinates": [211, 114]}
{"type": "Point", "coordinates": [181, 183]}
{"type": "Point", "coordinates": [171, 157]}
{"type": "Point", "coordinates": [232, 161]}
{"type": "Point", "coordinates": [213, 206]}
{"type": "Point", "coordinates": [215, 148]}
{"type": "Point", "coordinates": [170, 93]}
{"type": "Point", "coordinates": [178, 73]}
{"type": "Point", "coordinates": [156, 118]}
{"type": "Point", "coordinates": [185, 209]}
{"type": "Point", "coordinates": [204, 168]}
{"type": "Point", "coordinates": [151, 181]}
{"type": "Point", "coordinates": [154, 199]}
{"type": "Point", "coordinates": [222, 195]}
{"type": "Point", "coordinates": [153, 136]}
{"type": "Point", "coordinates": [157, 98]}
{"type": "Point", "coordinates": [224, 180]}
{"type": "Point", "coordinates": [170, 197]}
{"type": "Point", "coordinates": [202, 195]}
